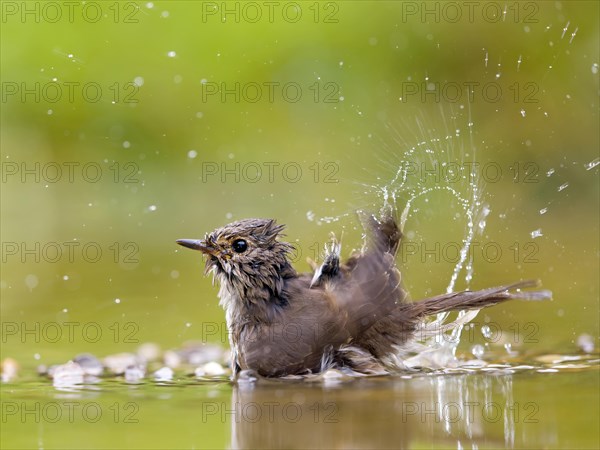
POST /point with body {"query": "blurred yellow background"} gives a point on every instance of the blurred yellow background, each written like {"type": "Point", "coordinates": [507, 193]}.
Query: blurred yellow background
{"type": "Point", "coordinates": [127, 125]}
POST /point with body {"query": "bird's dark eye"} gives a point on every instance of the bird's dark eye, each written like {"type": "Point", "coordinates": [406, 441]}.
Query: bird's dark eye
{"type": "Point", "coordinates": [239, 246]}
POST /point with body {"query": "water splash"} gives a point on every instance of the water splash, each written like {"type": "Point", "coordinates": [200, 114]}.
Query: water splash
{"type": "Point", "coordinates": [536, 233]}
{"type": "Point", "coordinates": [445, 150]}
{"type": "Point", "coordinates": [592, 164]}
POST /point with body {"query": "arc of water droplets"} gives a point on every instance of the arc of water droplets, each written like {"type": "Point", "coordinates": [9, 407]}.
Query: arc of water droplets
{"type": "Point", "coordinates": [473, 209]}
{"type": "Point", "coordinates": [470, 208]}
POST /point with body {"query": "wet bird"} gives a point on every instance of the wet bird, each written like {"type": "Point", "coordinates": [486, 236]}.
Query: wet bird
{"type": "Point", "coordinates": [352, 315]}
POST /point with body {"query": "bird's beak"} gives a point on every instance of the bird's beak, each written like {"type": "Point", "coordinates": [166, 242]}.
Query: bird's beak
{"type": "Point", "coordinates": [197, 244]}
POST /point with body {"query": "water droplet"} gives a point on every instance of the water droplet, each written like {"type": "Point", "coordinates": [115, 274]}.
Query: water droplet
{"type": "Point", "coordinates": [192, 154]}
{"type": "Point", "coordinates": [117, 300]}
{"type": "Point", "coordinates": [152, 208]}
{"type": "Point", "coordinates": [550, 172]}
{"type": "Point", "coordinates": [172, 54]}
{"type": "Point", "coordinates": [586, 343]}
{"type": "Point", "coordinates": [31, 281]}
{"type": "Point", "coordinates": [486, 331]}
{"type": "Point", "coordinates": [573, 35]}
{"type": "Point", "coordinates": [566, 27]}
{"type": "Point", "coordinates": [536, 233]}
{"type": "Point", "coordinates": [126, 144]}
{"type": "Point", "coordinates": [543, 211]}
{"type": "Point", "coordinates": [595, 68]}
{"type": "Point", "coordinates": [310, 215]}
{"type": "Point", "coordinates": [563, 186]}
{"type": "Point", "coordinates": [523, 113]}
{"type": "Point", "coordinates": [478, 350]}
{"type": "Point", "coordinates": [508, 348]}
{"type": "Point", "coordinates": [592, 164]}
{"type": "Point", "coordinates": [174, 274]}
{"type": "Point", "coordinates": [138, 81]}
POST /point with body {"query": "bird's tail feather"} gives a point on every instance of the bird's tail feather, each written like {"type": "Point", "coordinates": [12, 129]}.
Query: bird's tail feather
{"type": "Point", "coordinates": [478, 299]}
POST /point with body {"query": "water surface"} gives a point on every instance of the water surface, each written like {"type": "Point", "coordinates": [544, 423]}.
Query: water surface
{"type": "Point", "coordinates": [537, 405]}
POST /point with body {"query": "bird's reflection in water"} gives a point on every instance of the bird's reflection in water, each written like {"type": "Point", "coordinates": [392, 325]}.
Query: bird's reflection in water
{"type": "Point", "coordinates": [463, 411]}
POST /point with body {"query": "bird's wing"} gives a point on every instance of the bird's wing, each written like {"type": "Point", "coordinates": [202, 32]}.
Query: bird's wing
{"type": "Point", "coordinates": [368, 286]}
{"type": "Point", "coordinates": [368, 289]}
{"type": "Point", "coordinates": [330, 267]}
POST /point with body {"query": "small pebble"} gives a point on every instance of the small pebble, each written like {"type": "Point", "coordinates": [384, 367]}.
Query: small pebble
{"type": "Point", "coordinates": [164, 374]}
{"type": "Point", "coordinates": [135, 373]}
{"type": "Point", "coordinates": [209, 370]}
{"type": "Point", "coordinates": [10, 369]}
{"type": "Point", "coordinates": [89, 363]}
{"type": "Point", "coordinates": [68, 374]}
{"type": "Point", "coordinates": [149, 351]}
{"type": "Point", "coordinates": [196, 354]}
{"type": "Point", "coordinates": [172, 359]}
{"type": "Point", "coordinates": [119, 362]}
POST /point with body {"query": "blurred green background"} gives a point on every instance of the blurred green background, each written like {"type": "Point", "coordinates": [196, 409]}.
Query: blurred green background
{"type": "Point", "coordinates": [331, 96]}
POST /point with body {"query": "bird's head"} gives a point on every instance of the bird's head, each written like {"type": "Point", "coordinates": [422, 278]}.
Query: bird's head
{"type": "Point", "coordinates": [246, 257]}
